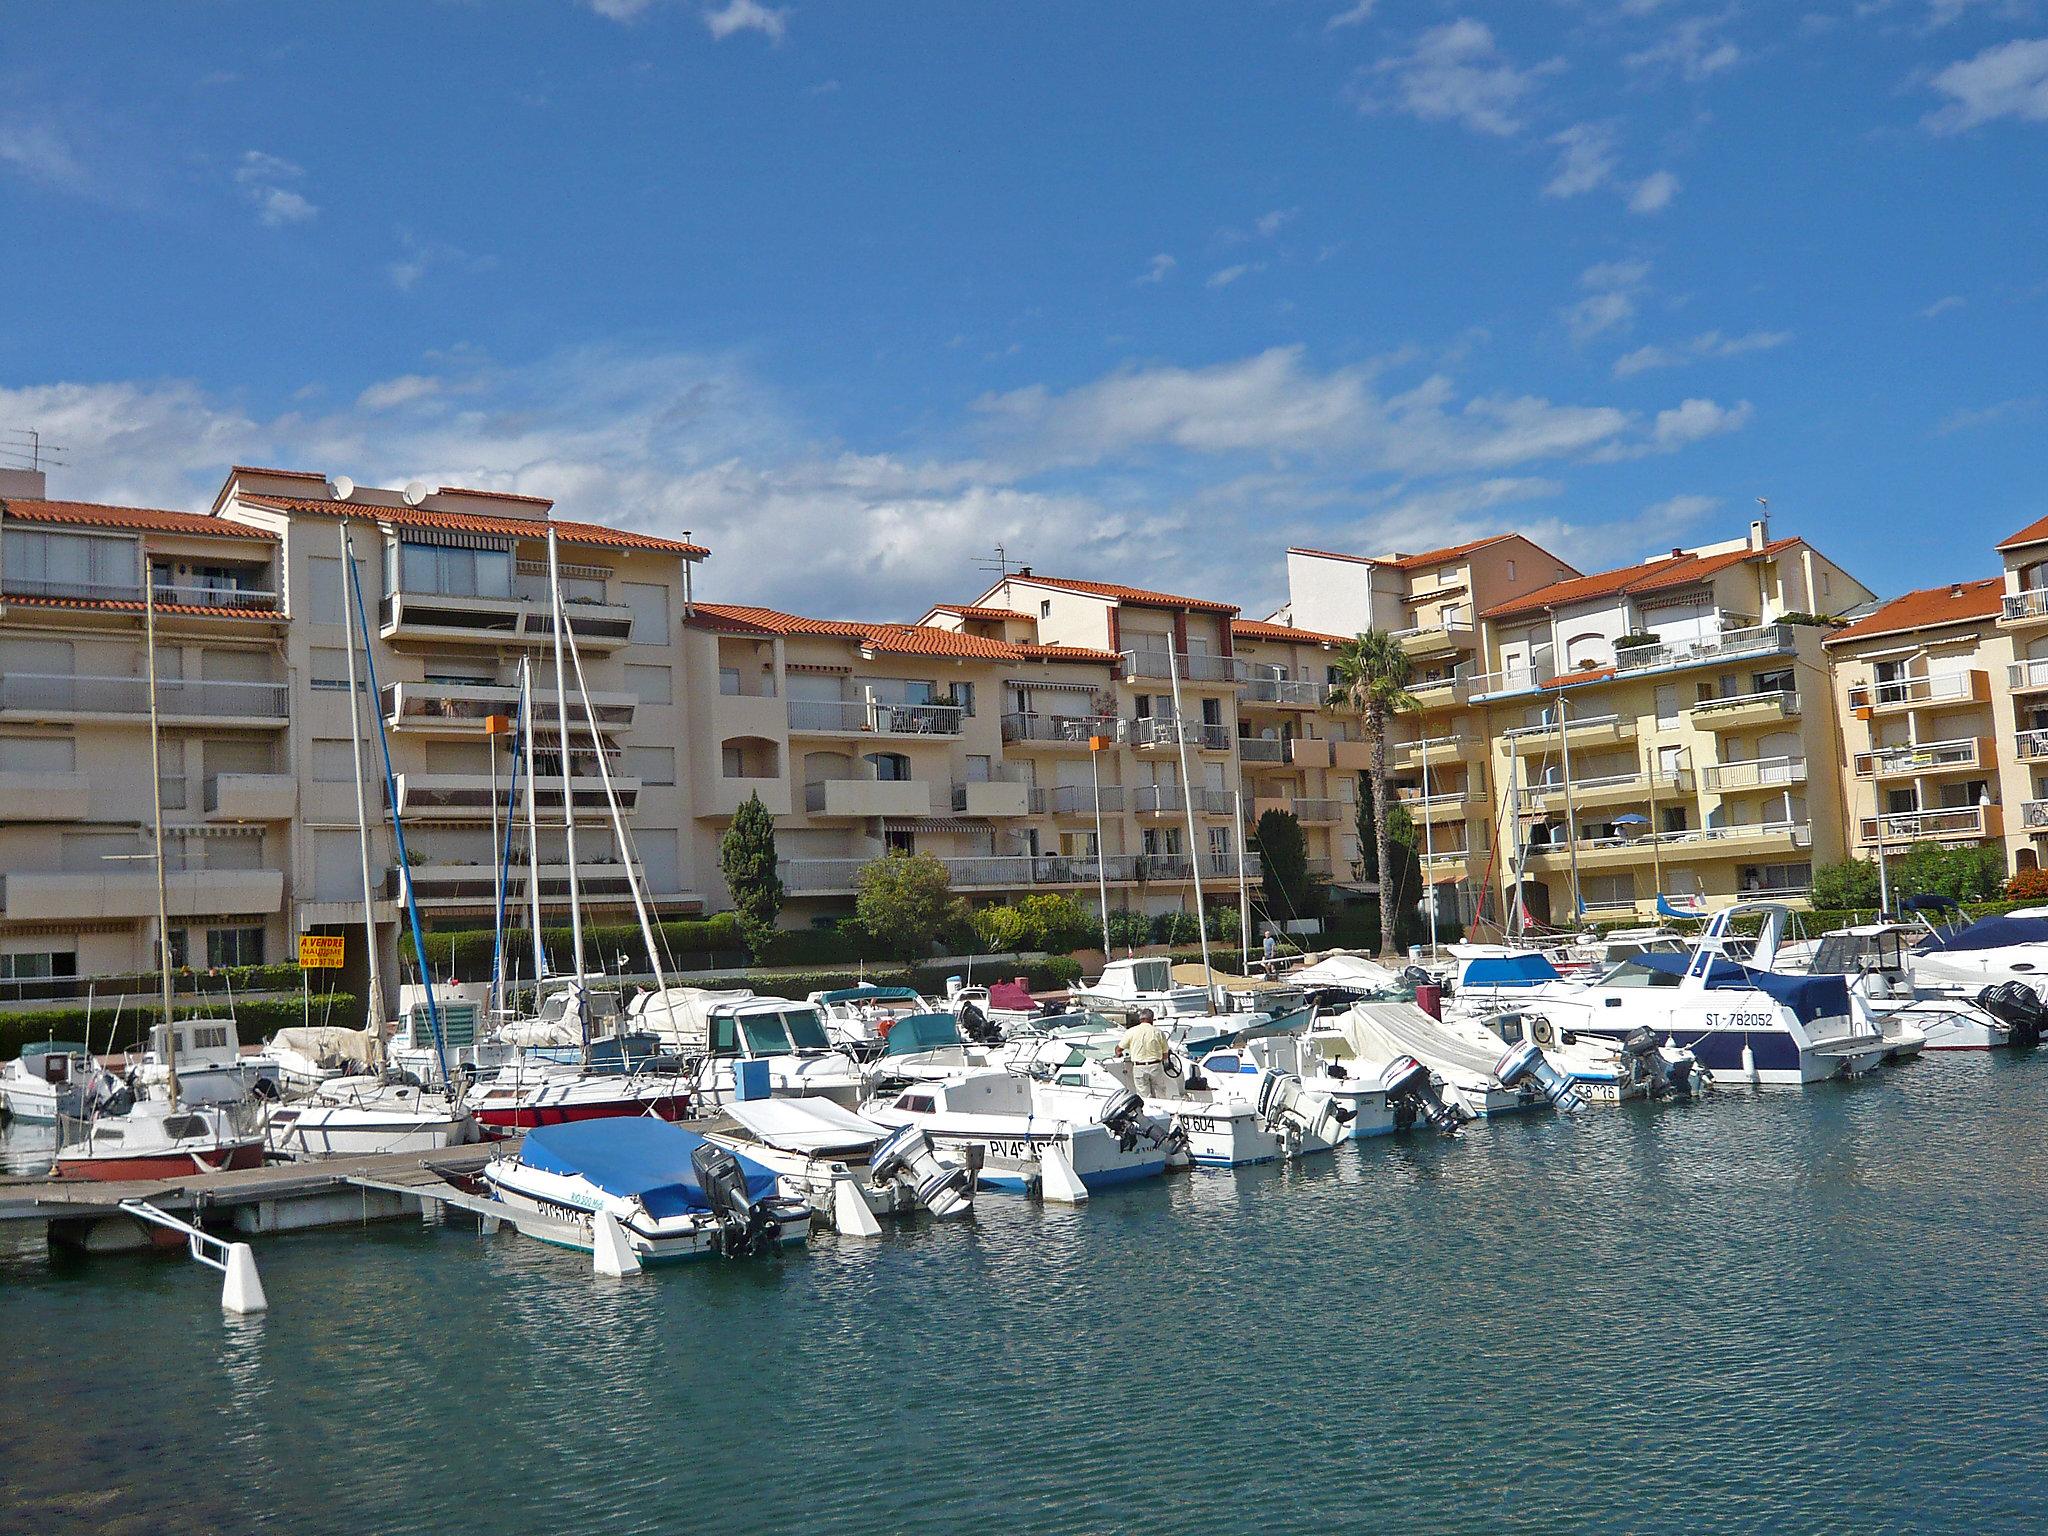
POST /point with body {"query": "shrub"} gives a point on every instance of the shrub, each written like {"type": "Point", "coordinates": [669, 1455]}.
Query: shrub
{"type": "Point", "coordinates": [1176, 927]}
{"type": "Point", "coordinates": [746, 857]}
{"type": "Point", "coordinates": [1056, 923]}
{"type": "Point", "coordinates": [2027, 885]}
{"type": "Point", "coordinates": [1971, 872]}
{"type": "Point", "coordinates": [905, 901]}
{"type": "Point", "coordinates": [1852, 883]}
{"type": "Point", "coordinates": [1128, 929]}
{"type": "Point", "coordinates": [696, 944]}
{"type": "Point", "coordinates": [255, 1019]}
{"type": "Point", "coordinates": [1002, 930]}
{"type": "Point", "coordinates": [1224, 927]}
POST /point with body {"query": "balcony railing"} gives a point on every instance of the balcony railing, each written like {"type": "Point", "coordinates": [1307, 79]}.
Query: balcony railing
{"type": "Point", "coordinates": [2030, 604]}
{"type": "Point", "coordinates": [72, 694]}
{"type": "Point", "coordinates": [1758, 773]}
{"type": "Point", "coordinates": [1945, 821]}
{"type": "Point", "coordinates": [1571, 723]}
{"type": "Point", "coordinates": [1898, 692]}
{"type": "Point", "coordinates": [1193, 669]}
{"type": "Point", "coordinates": [1754, 640]}
{"type": "Point", "coordinates": [1160, 799]}
{"type": "Point", "coordinates": [853, 717]}
{"type": "Point", "coordinates": [1798, 835]}
{"type": "Point", "coordinates": [1285, 693]}
{"type": "Point", "coordinates": [435, 615]}
{"type": "Point", "coordinates": [812, 877]}
{"type": "Point", "coordinates": [425, 706]}
{"type": "Point", "coordinates": [2034, 815]}
{"type": "Point", "coordinates": [2022, 676]}
{"type": "Point", "coordinates": [2031, 745]}
{"type": "Point", "coordinates": [1076, 800]}
{"type": "Point", "coordinates": [472, 795]}
{"type": "Point", "coordinates": [1061, 730]}
{"type": "Point", "coordinates": [1262, 749]}
{"type": "Point", "coordinates": [1922, 757]}
{"type": "Point", "coordinates": [1153, 731]}
{"type": "Point", "coordinates": [1316, 812]}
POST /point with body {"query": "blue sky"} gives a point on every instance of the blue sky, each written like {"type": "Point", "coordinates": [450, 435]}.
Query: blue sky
{"type": "Point", "coordinates": [856, 291]}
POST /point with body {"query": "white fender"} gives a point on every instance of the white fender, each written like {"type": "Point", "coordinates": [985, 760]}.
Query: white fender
{"type": "Point", "coordinates": [610, 1254]}
{"type": "Point", "coordinates": [241, 1288]}
{"type": "Point", "coordinates": [1057, 1180]}
{"type": "Point", "coordinates": [850, 1214]}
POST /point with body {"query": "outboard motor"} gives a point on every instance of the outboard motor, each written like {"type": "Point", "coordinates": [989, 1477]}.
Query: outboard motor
{"type": "Point", "coordinates": [975, 1025]}
{"type": "Point", "coordinates": [108, 1095]}
{"type": "Point", "coordinates": [745, 1226]}
{"type": "Point", "coordinates": [1123, 1115]}
{"type": "Point", "coordinates": [944, 1189]}
{"type": "Point", "coordinates": [1413, 1095]}
{"type": "Point", "coordinates": [2018, 1007]}
{"type": "Point", "coordinates": [1524, 1062]}
{"type": "Point", "coordinates": [1289, 1109]}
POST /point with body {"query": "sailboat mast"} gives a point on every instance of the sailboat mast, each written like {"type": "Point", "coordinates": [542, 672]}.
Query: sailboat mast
{"type": "Point", "coordinates": [1571, 813]}
{"type": "Point", "coordinates": [540, 954]}
{"type": "Point", "coordinates": [373, 1019]}
{"type": "Point", "coordinates": [156, 798]}
{"type": "Point", "coordinates": [568, 788]}
{"type": "Point", "coordinates": [1187, 796]}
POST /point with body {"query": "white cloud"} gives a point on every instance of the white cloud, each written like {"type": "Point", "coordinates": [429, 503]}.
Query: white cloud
{"type": "Point", "coordinates": [2009, 80]}
{"type": "Point", "coordinates": [1694, 421]}
{"type": "Point", "coordinates": [1643, 359]}
{"type": "Point", "coordinates": [1585, 160]}
{"type": "Point", "coordinates": [1653, 194]}
{"type": "Point", "coordinates": [1352, 17]}
{"type": "Point", "coordinates": [1223, 277]}
{"type": "Point", "coordinates": [421, 257]}
{"type": "Point", "coordinates": [1454, 73]}
{"type": "Point", "coordinates": [1612, 290]}
{"type": "Point", "coordinates": [1694, 49]}
{"type": "Point", "coordinates": [1943, 305]}
{"type": "Point", "coordinates": [620, 10]}
{"type": "Point", "coordinates": [1675, 512]}
{"type": "Point", "coordinates": [747, 16]}
{"type": "Point", "coordinates": [263, 179]}
{"type": "Point", "coordinates": [1270, 224]}
{"type": "Point", "coordinates": [1157, 270]}
{"type": "Point", "coordinates": [1708, 344]}
{"type": "Point", "coordinates": [36, 151]}
{"type": "Point", "coordinates": [406, 389]}
{"type": "Point", "coordinates": [1989, 415]}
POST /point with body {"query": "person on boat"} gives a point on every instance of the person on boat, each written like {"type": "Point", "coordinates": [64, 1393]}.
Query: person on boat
{"type": "Point", "coordinates": [1145, 1045]}
{"type": "Point", "coordinates": [1272, 954]}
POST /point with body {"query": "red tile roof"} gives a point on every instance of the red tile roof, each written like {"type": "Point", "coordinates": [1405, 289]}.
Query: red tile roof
{"type": "Point", "coordinates": [1648, 576]}
{"type": "Point", "coordinates": [1428, 557]}
{"type": "Point", "coordinates": [136, 605]}
{"type": "Point", "coordinates": [1117, 592]}
{"type": "Point", "coordinates": [593, 534]}
{"type": "Point", "coordinates": [979, 615]}
{"type": "Point", "coordinates": [1964, 602]}
{"type": "Point", "coordinates": [2033, 533]}
{"type": "Point", "coordinates": [1259, 629]}
{"type": "Point", "coordinates": [886, 639]}
{"type": "Point", "coordinates": [283, 474]}
{"type": "Point", "coordinates": [463, 490]}
{"type": "Point", "coordinates": [92, 514]}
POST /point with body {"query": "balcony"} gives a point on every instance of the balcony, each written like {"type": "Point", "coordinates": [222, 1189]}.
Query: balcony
{"type": "Point", "coordinates": [1493, 685]}
{"type": "Point", "coordinates": [1407, 754]}
{"type": "Point", "coordinates": [1153, 731]}
{"type": "Point", "coordinates": [1451, 806]}
{"type": "Point", "coordinates": [473, 796]}
{"type": "Point", "coordinates": [1961, 753]}
{"type": "Point", "coordinates": [1022, 872]}
{"type": "Point", "coordinates": [1167, 799]}
{"type": "Point", "coordinates": [1261, 749]}
{"type": "Point", "coordinates": [1441, 692]}
{"type": "Point", "coordinates": [1729, 645]}
{"type": "Point", "coordinates": [1193, 669]}
{"type": "Point", "coordinates": [1744, 711]}
{"type": "Point", "coordinates": [1905, 693]}
{"type": "Point", "coordinates": [1581, 731]}
{"type": "Point", "coordinates": [992, 797]}
{"type": "Point", "coordinates": [868, 797]}
{"type": "Point", "coordinates": [1070, 731]}
{"type": "Point", "coordinates": [1964, 823]}
{"type": "Point", "coordinates": [1317, 812]}
{"type": "Point", "coordinates": [461, 709]}
{"type": "Point", "coordinates": [720, 799]}
{"type": "Point", "coordinates": [254, 600]}
{"type": "Point", "coordinates": [871, 717]}
{"type": "Point", "coordinates": [2034, 816]}
{"type": "Point", "coordinates": [1750, 840]}
{"type": "Point", "coordinates": [1309, 752]}
{"type": "Point", "coordinates": [251, 797]}
{"type": "Point", "coordinates": [61, 698]}
{"type": "Point", "coordinates": [29, 796]}
{"type": "Point", "coordinates": [1609, 789]}
{"type": "Point", "coordinates": [2029, 676]}
{"type": "Point", "coordinates": [2025, 608]}
{"type": "Point", "coordinates": [2030, 746]}
{"type": "Point", "coordinates": [1077, 800]}
{"type": "Point", "coordinates": [1758, 773]}
{"type": "Point", "coordinates": [76, 898]}
{"type": "Point", "coordinates": [1437, 639]}
{"type": "Point", "coordinates": [475, 885]}
{"type": "Point", "coordinates": [1282, 693]}
{"type": "Point", "coordinates": [438, 616]}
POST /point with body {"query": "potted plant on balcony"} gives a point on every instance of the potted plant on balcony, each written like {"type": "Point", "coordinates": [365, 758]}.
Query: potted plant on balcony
{"type": "Point", "coordinates": [1635, 642]}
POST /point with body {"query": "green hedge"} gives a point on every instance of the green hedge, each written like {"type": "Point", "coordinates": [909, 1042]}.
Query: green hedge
{"type": "Point", "coordinates": [256, 1019]}
{"type": "Point", "coordinates": [694, 945]}
{"type": "Point", "coordinates": [1052, 974]}
{"type": "Point", "coordinates": [236, 978]}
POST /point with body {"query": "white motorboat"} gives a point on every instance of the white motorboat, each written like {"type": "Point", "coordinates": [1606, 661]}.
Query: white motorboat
{"type": "Point", "coordinates": [1383, 1032]}
{"type": "Point", "coordinates": [48, 1080]}
{"type": "Point", "coordinates": [1605, 1070]}
{"type": "Point", "coordinates": [1990, 952]}
{"type": "Point", "coordinates": [211, 1066]}
{"type": "Point", "coordinates": [825, 1154]}
{"type": "Point", "coordinates": [1125, 986]}
{"type": "Point", "coordinates": [309, 1055]}
{"type": "Point", "coordinates": [1876, 960]}
{"type": "Point", "coordinates": [159, 1138]}
{"type": "Point", "coordinates": [366, 1115]}
{"type": "Point", "coordinates": [666, 1192]}
{"type": "Point", "coordinates": [721, 1035]}
{"type": "Point", "coordinates": [532, 1094]}
{"type": "Point", "coordinates": [861, 1016]}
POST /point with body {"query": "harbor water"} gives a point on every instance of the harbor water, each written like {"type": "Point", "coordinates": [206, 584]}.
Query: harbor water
{"type": "Point", "coordinates": [1794, 1311]}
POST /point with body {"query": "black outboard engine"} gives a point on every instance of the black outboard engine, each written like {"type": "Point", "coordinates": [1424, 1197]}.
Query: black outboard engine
{"type": "Point", "coordinates": [745, 1226]}
{"type": "Point", "coordinates": [2018, 1007]}
{"type": "Point", "coordinates": [1640, 1063]}
{"type": "Point", "coordinates": [1413, 1095]}
{"type": "Point", "coordinates": [1123, 1116]}
{"type": "Point", "coordinates": [975, 1025]}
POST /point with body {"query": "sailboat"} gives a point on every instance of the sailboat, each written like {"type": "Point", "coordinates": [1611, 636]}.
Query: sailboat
{"type": "Point", "coordinates": [377, 1110]}
{"type": "Point", "coordinates": [155, 1134]}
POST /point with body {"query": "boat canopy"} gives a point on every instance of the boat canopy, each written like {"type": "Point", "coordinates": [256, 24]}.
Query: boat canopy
{"type": "Point", "coordinates": [1930, 902]}
{"type": "Point", "coordinates": [633, 1157]}
{"type": "Point", "coordinates": [1526, 969]}
{"type": "Point", "coordinates": [1809, 997]}
{"type": "Point", "coordinates": [922, 1032]}
{"type": "Point", "coordinates": [868, 995]}
{"type": "Point", "coordinates": [1354, 972]}
{"type": "Point", "coordinates": [1989, 933]}
{"type": "Point", "coordinates": [1012, 997]}
{"type": "Point", "coordinates": [53, 1048]}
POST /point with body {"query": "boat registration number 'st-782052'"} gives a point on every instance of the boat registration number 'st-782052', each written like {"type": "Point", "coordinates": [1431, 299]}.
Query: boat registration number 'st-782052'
{"type": "Point", "coordinates": [1739, 1020]}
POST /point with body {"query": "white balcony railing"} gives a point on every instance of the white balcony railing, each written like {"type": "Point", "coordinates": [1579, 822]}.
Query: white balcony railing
{"type": "Point", "coordinates": [1192, 668]}
{"type": "Point", "coordinates": [2031, 745]}
{"type": "Point", "coordinates": [1008, 872]}
{"type": "Point", "coordinates": [2031, 673]}
{"type": "Point", "coordinates": [1753, 640]}
{"type": "Point", "coordinates": [1946, 821]}
{"type": "Point", "coordinates": [2030, 604]}
{"type": "Point", "coordinates": [1296, 693]}
{"type": "Point", "coordinates": [853, 717]}
{"type": "Point", "coordinates": [1758, 773]}
{"type": "Point", "coordinates": [1159, 799]}
{"type": "Point", "coordinates": [1077, 800]}
{"type": "Point", "coordinates": [70, 693]}
{"type": "Point", "coordinates": [1571, 722]}
{"type": "Point", "coordinates": [1921, 757]}
{"type": "Point", "coordinates": [1783, 700]}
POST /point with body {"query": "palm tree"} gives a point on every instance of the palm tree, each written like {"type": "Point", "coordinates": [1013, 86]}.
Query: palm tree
{"type": "Point", "coordinates": [1371, 681]}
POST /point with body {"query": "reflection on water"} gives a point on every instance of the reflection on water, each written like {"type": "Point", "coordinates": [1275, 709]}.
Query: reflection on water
{"type": "Point", "coordinates": [1794, 1311]}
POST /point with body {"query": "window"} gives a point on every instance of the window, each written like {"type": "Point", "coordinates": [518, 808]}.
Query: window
{"type": "Point", "coordinates": [1045, 609]}
{"type": "Point", "coordinates": [1511, 570]}
{"type": "Point", "coordinates": [1219, 841]}
{"type": "Point", "coordinates": [889, 767]}
{"type": "Point", "coordinates": [171, 772]}
{"type": "Point", "coordinates": [437, 569]}
{"type": "Point", "coordinates": [231, 853]}
{"type": "Point", "coordinates": [37, 754]}
{"type": "Point", "coordinates": [963, 699]}
{"type": "Point", "coordinates": [651, 765]}
{"type": "Point", "coordinates": [649, 602]}
{"type": "Point", "coordinates": [337, 866]}
{"type": "Point", "coordinates": [329, 667]}
{"type": "Point", "coordinates": [1780, 681]}
{"type": "Point", "coordinates": [234, 946]}
{"type": "Point", "coordinates": [659, 865]}
{"type": "Point", "coordinates": [650, 684]}
{"type": "Point", "coordinates": [733, 762]}
{"type": "Point", "coordinates": [900, 840]}
{"type": "Point", "coordinates": [326, 600]}
{"type": "Point", "coordinates": [333, 761]}
{"type": "Point", "coordinates": [39, 965]}
{"type": "Point", "coordinates": [729, 682]}
{"type": "Point", "coordinates": [69, 564]}
{"type": "Point", "coordinates": [1212, 711]}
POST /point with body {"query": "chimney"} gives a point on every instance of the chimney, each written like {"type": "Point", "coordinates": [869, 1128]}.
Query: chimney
{"type": "Point", "coordinates": [1023, 570]}
{"type": "Point", "coordinates": [1759, 533]}
{"type": "Point", "coordinates": [27, 484]}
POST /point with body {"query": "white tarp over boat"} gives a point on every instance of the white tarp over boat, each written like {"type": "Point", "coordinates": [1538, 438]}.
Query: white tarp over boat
{"type": "Point", "coordinates": [1384, 1030]}
{"type": "Point", "coordinates": [1343, 969]}
{"type": "Point", "coordinates": [681, 1016]}
{"type": "Point", "coordinates": [809, 1125]}
{"type": "Point", "coordinates": [325, 1043]}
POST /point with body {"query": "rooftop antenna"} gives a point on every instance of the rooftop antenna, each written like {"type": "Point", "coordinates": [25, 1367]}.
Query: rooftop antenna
{"type": "Point", "coordinates": [999, 563]}
{"type": "Point", "coordinates": [24, 448]}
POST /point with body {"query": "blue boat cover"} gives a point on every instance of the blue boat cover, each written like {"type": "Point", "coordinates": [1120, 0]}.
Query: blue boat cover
{"type": "Point", "coordinates": [1930, 903]}
{"type": "Point", "coordinates": [1809, 997]}
{"type": "Point", "coordinates": [633, 1155]}
{"type": "Point", "coordinates": [1523, 970]}
{"type": "Point", "coordinates": [922, 1032]}
{"type": "Point", "coordinates": [1989, 933]}
{"type": "Point", "coordinates": [869, 995]}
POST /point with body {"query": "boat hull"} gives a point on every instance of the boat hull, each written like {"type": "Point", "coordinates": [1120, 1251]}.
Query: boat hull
{"type": "Point", "coordinates": [142, 1166]}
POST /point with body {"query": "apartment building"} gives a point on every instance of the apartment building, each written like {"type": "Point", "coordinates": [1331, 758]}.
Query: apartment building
{"type": "Point", "coordinates": [78, 897]}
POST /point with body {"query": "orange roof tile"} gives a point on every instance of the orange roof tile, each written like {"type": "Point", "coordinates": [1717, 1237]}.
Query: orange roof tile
{"type": "Point", "coordinates": [982, 615]}
{"type": "Point", "coordinates": [463, 490]}
{"type": "Point", "coordinates": [93, 514]}
{"type": "Point", "coordinates": [1117, 592]}
{"type": "Point", "coordinates": [1963, 602]}
{"type": "Point", "coordinates": [283, 474]}
{"type": "Point", "coordinates": [594, 534]}
{"type": "Point", "coordinates": [1259, 629]}
{"type": "Point", "coordinates": [887, 639]}
{"type": "Point", "coordinates": [2034, 533]}
{"type": "Point", "coordinates": [1428, 557]}
{"type": "Point", "coordinates": [1647, 576]}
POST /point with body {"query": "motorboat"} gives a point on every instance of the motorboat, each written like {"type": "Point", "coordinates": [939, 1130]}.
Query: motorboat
{"type": "Point", "coordinates": [368, 1114]}
{"type": "Point", "coordinates": [158, 1138]}
{"type": "Point", "coordinates": [311, 1054]}
{"type": "Point", "coordinates": [720, 1035]}
{"type": "Point", "coordinates": [1004, 1005]}
{"type": "Point", "coordinates": [49, 1080]}
{"type": "Point", "coordinates": [1992, 951]}
{"type": "Point", "coordinates": [1877, 961]}
{"type": "Point", "coordinates": [532, 1094]}
{"type": "Point", "coordinates": [1033, 1135]}
{"type": "Point", "coordinates": [1383, 1032]}
{"type": "Point", "coordinates": [1126, 986]}
{"type": "Point", "coordinates": [826, 1155]}
{"type": "Point", "coordinates": [665, 1192]}
{"type": "Point", "coordinates": [211, 1067]}
{"type": "Point", "coordinates": [857, 1016]}
{"type": "Point", "coordinates": [468, 1040]}
{"type": "Point", "coordinates": [1605, 1070]}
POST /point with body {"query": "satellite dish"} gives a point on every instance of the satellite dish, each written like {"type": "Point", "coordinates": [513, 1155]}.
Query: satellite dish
{"type": "Point", "coordinates": [415, 492]}
{"type": "Point", "coordinates": [341, 487]}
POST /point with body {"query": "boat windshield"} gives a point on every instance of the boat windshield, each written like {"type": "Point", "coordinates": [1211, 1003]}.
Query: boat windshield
{"type": "Point", "coordinates": [784, 1033]}
{"type": "Point", "coordinates": [1633, 973]}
